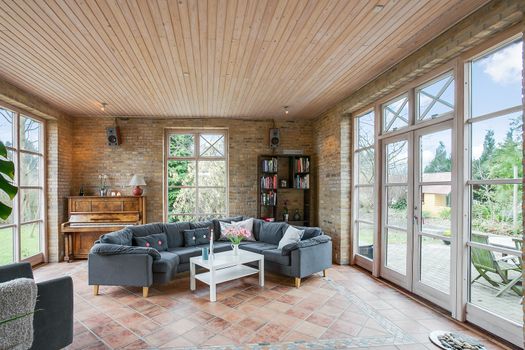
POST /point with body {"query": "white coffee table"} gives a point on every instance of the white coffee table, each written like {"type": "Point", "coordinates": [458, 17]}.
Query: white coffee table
{"type": "Point", "coordinates": [225, 266]}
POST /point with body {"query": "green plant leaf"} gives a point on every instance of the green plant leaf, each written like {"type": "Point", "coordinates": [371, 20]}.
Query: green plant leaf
{"type": "Point", "coordinates": [7, 187]}
{"type": "Point", "coordinates": [3, 150]}
{"type": "Point", "coordinates": [5, 211]}
{"type": "Point", "coordinates": [7, 168]}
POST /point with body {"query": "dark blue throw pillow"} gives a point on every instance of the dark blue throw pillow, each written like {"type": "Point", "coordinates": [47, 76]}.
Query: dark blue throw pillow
{"type": "Point", "coordinates": [196, 236]}
{"type": "Point", "coordinates": [158, 241]}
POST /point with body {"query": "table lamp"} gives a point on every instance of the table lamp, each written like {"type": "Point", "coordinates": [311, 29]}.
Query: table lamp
{"type": "Point", "coordinates": [137, 181]}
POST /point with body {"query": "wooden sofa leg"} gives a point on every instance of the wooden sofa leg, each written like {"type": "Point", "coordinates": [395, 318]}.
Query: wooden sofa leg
{"type": "Point", "coordinates": [145, 291]}
{"type": "Point", "coordinates": [95, 289]}
{"type": "Point", "coordinates": [324, 273]}
{"type": "Point", "coordinates": [297, 282]}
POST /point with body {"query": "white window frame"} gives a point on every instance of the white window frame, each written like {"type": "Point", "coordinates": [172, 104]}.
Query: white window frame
{"type": "Point", "coordinates": [197, 158]}
{"type": "Point", "coordinates": [16, 215]}
{"type": "Point", "coordinates": [382, 116]}
{"type": "Point", "coordinates": [361, 260]}
{"type": "Point", "coordinates": [449, 74]}
{"type": "Point", "coordinates": [505, 328]}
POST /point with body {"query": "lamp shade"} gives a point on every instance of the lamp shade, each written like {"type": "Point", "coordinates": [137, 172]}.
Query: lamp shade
{"type": "Point", "coordinates": [137, 180]}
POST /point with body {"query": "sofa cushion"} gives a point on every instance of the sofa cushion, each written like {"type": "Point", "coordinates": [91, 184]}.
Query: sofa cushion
{"type": "Point", "coordinates": [257, 247]}
{"type": "Point", "coordinates": [121, 237]}
{"type": "Point", "coordinates": [272, 232]}
{"type": "Point", "coordinates": [309, 232]}
{"type": "Point", "coordinates": [219, 247]}
{"type": "Point", "coordinates": [146, 230]}
{"type": "Point", "coordinates": [274, 255]}
{"type": "Point", "coordinates": [167, 262]}
{"type": "Point", "coordinates": [185, 253]}
{"type": "Point", "coordinates": [117, 249]}
{"type": "Point", "coordinates": [292, 235]}
{"type": "Point", "coordinates": [257, 224]}
{"type": "Point", "coordinates": [245, 224]}
{"type": "Point", "coordinates": [200, 224]}
{"type": "Point", "coordinates": [175, 233]}
{"type": "Point", "coordinates": [217, 226]}
{"type": "Point", "coordinates": [158, 241]}
{"type": "Point", "coordinates": [196, 236]}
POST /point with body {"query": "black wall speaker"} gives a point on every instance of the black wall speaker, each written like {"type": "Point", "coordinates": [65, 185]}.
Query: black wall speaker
{"type": "Point", "coordinates": [113, 136]}
{"type": "Point", "coordinates": [275, 139]}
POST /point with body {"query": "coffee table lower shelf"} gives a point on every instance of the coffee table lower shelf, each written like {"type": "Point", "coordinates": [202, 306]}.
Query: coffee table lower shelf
{"type": "Point", "coordinates": [227, 274]}
{"type": "Point", "coordinates": [224, 267]}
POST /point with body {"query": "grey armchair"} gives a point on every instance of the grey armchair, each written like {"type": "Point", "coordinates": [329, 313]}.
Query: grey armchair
{"type": "Point", "coordinates": [53, 323]}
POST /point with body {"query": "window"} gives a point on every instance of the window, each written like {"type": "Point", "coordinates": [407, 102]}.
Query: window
{"type": "Point", "coordinates": [197, 175]}
{"type": "Point", "coordinates": [436, 98]}
{"type": "Point", "coordinates": [22, 234]}
{"type": "Point", "coordinates": [395, 114]}
{"type": "Point", "coordinates": [364, 165]}
{"type": "Point", "coordinates": [496, 173]}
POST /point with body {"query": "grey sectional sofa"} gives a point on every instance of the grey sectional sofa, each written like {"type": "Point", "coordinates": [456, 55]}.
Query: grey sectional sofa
{"type": "Point", "coordinates": [114, 260]}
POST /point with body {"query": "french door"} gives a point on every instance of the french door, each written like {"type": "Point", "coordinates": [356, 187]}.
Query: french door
{"type": "Point", "coordinates": [417, 212]}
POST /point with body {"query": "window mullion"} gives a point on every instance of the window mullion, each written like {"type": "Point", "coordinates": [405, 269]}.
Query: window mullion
{"type": "Point", "coordinates": [197, 163]}
{"type": "Point", "coordinates": [17, 218]}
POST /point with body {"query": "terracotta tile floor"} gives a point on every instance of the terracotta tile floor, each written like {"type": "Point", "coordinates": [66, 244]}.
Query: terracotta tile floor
{"type": "Point", "coordinates": [347, 309]}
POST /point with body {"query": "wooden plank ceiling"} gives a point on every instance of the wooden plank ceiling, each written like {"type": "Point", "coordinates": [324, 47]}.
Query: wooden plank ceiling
{"type": "Point", "coordinates": [216, 58]}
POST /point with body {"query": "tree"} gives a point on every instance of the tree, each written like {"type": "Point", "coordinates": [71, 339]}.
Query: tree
{"type": "Point", "coordinates": [441, 163]}
{"type": "Point", "coordinates": [182, 196]}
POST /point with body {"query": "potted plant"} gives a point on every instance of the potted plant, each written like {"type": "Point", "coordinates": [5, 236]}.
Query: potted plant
{"type": "Point", "coordinates": [236, 235]}
{"type": "Point", "coordinates": [7, 169]}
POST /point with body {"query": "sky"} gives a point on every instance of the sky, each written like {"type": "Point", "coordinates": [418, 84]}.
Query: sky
{"type": "Point", "coordinates": [496, 85]}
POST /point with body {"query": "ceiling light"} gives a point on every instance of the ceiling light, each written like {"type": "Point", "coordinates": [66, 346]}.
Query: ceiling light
{"type": "Point", "coordinates": [103, 106]}
{"type": "Point", "coordinates": [378, 8]}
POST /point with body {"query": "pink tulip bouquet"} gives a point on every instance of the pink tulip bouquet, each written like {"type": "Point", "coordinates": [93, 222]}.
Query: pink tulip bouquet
{"type": "Point", "coordinates": [237, 234]}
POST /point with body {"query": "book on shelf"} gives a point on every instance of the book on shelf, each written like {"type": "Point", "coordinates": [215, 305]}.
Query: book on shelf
{"type": "Point", "coordinates": [302, 165]}
{"type": "Point", "coordinates": [269, 198]}
{"type": "Point", "coordinates": [302, 181]}
{"type": "Point", "coordinates": [269, 165]}
{"type": "Point", "coordinates": [269, 182]}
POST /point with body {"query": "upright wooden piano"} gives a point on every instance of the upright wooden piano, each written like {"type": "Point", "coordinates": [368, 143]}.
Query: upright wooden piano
{"type": "Point", "coordinates": [92, 216]}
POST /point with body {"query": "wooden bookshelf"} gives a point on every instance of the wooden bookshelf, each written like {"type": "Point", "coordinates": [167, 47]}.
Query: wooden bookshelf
{"type": "Point", "coordinates": [272, 195]}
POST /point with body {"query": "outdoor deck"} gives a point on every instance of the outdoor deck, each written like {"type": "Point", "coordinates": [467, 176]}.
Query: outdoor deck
{"type": "Point", "coordinates": [436, 267]}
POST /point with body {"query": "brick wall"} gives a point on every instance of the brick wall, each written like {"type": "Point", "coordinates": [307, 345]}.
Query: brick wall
{"type": "Point", "coordinates": [59, 172]}
{"type": "Point", "coordinates": [142, 152]}
{"type": "Point", "coordinates": [332, 162]}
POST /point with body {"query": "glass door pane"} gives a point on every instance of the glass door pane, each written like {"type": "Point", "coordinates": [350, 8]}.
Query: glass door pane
{"type": "Point", "coordinates": [433, 210]}
{"type": "Point", "coordinates": [396, 210]}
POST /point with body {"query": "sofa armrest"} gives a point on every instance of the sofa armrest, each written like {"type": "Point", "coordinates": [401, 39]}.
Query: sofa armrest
{"type": "Point", "coordinates": [16, 270]}
{"type": "Point", "coordinates": [120, 270]}
{"type": "Point", "coordinates": [53, 319]}
{"type": "Point", "coordinates": [308, 260]}
{"type": "Point", "coordinates": [287, 249]}
{"type": "Point", "coordinates": [117, 249]}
